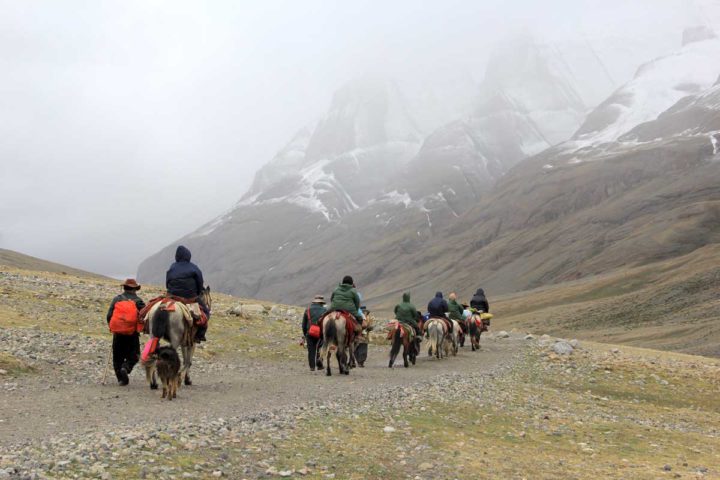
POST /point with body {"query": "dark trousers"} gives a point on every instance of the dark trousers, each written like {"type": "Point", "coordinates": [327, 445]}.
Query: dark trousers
{"type": "Point", "coordinates": [126, 352]}
{"type": "Point", "coordinates": [313, 346]}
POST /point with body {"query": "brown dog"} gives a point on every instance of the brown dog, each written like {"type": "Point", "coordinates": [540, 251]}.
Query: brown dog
{"type": "Point", "coordinates": [168, 369]}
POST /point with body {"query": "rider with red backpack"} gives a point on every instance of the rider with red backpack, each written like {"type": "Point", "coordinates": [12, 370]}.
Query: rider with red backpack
{"type": "Point", "coordinates": [122, 318]}
{"type": "Point", "coordinates": [311, 330]}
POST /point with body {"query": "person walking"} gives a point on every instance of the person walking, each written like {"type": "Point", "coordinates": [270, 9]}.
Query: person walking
{"type": "Point", "coordinates": [312, 331]}
{"type": "Point", "coordinates": [122, 319]}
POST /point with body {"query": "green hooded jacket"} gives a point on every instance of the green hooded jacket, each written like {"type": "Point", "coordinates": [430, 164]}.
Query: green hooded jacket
{"type": "Point", "coordinates": [455, 310]}
{"type": "Point", "coordinates": [406, 312]}
{"type": "Point", "coordinates": [345, 297]}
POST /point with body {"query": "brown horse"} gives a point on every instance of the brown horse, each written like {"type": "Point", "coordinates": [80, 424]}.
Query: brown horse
{"type": "Point", "coordinates": [477, 324]}
{"type": "Point", "coordinates": [402, 335]}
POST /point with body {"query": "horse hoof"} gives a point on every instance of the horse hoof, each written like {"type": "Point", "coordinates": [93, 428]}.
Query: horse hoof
{"type": "Point", "coordinates": [188, 382]}
{"type": "Point", "coordinates": [328, 374]}
{"type": "Point", "coordinates": [153, 386]}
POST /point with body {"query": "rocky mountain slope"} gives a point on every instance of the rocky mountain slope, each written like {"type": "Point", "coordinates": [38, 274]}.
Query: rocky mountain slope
{"type": "Point", "coordinates": [473, 203]}
{"type": "Point", "coordinates": [366, 183]}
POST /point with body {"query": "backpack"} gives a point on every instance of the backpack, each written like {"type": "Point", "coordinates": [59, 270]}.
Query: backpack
{"type": "Point", "coordinates": [124, 320]}
{"type": "Point", "coordinates": [314, 330]}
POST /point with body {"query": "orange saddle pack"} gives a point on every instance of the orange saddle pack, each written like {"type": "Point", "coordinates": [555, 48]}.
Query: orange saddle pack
{"type": "Point", "coordinates": [124, 320]}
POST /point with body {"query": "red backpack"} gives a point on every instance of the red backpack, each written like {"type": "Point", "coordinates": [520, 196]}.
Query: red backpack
{"type": "Point", "coordinates": [124, 320]}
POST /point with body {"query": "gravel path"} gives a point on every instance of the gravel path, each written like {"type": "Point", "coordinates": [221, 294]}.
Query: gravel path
{"type": "Point", "coordinates": [38, 408]}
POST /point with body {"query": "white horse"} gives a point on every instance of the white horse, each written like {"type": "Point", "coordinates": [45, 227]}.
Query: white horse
{"type": "Point", "coordinates": [437, 330]}
{"type": "Point", "coordinates": [335, 340]}
{"type": "Point", "coordinates": [175, 327]}
{"type": "Point", "coordinates": [452, 339]}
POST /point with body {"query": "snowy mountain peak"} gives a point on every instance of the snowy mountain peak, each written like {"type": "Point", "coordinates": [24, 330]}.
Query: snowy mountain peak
{"type": "Point", "coordinates": [363, 113]}
{"type": "Point", "coordinates": [530, 84]}
{"type": "Point", "coordinates": [287, 162]}
{"type": "Point", "coordinates": [657, 86]}
{"type": "Point", "coordinates": [697, 34]}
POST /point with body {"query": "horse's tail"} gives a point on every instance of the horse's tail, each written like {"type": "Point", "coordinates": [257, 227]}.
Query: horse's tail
{"type": "Point", "coordinates": [331, 333]}
{"type": "Point", "coordinates": [433, 334]}
{"type": "Point", "coordinates": [160, 321]}
{"type": "Point", "coordinates": [472, 327]}
{"type": "Point", "coordinates": [396, 342]}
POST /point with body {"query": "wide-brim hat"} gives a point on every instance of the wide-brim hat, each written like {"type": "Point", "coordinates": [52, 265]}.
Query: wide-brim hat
{"type": "Point", "coordinates": [465, 305]}
{"type": "Point", "coordinates": [131, 283]}
{"type": "Point", "coordinates": [319, 299]}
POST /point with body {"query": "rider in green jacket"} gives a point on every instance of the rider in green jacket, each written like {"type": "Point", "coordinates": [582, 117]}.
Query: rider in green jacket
{"type": "Point", "coordinates": [455, 310]}
{"type": "Point", "coordinates": [346, 298]}
{"type": "Point", "coordinates": [406, 313]}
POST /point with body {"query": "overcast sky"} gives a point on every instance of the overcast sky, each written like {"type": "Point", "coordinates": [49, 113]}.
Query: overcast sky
{"type": "Point", "coordinates": [124, 125]}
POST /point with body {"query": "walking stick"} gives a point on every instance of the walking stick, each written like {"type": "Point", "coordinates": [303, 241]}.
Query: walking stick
{"type": "Point", "coordinates": [107, 365]}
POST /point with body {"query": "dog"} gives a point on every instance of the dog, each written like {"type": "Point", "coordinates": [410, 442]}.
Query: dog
{"type": "Point", "coordinates": [168, 369]}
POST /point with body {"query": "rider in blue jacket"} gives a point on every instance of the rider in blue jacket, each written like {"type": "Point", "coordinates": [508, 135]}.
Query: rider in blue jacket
{"type": "Point", "coordinates": [184, 279]}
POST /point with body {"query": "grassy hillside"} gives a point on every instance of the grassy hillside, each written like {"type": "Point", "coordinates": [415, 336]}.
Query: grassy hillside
{"type": "Point", "coordinates": [10, 258]}
{"type": "Point", "coordinates": [670, 305]}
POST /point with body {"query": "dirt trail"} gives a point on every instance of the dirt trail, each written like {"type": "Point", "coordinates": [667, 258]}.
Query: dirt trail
{"type": "Point", "coordinates": [42, 407]}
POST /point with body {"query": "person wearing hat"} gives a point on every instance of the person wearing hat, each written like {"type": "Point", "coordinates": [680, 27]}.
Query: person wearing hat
{"type": "Point", "coordinates": [311, 330]}
{"type": "Point", "coordinates": [122, 318]}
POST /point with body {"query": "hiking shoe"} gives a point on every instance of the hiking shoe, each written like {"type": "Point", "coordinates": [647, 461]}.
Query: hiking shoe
{"type": "Point", "coordinates": [123, 378]}
{"type": "Point", "coordinates": [319, 365]}
{"type": "Point", "coordinates": [312, 369]}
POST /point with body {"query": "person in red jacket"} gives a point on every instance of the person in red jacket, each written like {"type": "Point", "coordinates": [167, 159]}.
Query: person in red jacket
{"type": "Point", "coordinates": [122, 318]}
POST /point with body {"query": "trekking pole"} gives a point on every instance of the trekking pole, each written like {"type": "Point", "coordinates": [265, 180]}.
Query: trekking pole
{"type": "Point", "coordinates": [107, 365]}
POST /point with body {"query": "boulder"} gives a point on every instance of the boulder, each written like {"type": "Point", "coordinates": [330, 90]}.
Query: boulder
{"type": "Point", "coordinates": [252, 309]}
{"type": "Point", "coordinates": [502, 334]}
{"type": "Point", "coordinates": [574, 343]}
{"type": "Point", "coordinates": [563, 348]}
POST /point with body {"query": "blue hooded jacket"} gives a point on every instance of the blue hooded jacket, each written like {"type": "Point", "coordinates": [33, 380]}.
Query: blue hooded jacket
{"type": "Point", "coordinates": [438, 306]}
{"type": "Point", "coordinates": [184, 279]}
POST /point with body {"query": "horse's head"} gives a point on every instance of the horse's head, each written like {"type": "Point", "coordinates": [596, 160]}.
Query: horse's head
{"type": "Point", "coordinates": [206, 297]}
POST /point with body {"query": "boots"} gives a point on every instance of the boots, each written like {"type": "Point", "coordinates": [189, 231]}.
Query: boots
{"type": "Point", "coordinates": [122, 376]}
{"type": "Point", "coordinates": [200, 334]}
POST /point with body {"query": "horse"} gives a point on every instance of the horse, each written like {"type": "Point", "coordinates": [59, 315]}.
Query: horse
{"type": "Point", "coordinates": [436, 329]}
{"type": "Point", "coordinates": [476, 325]}
{"type": "Point", "coordinates": [401, 335]}
{"type": "Point", "coordinates": [452, 339]}
{"type": "Point", "coordinates": [174, 326]}
{"type": "Point", "coordinates": [335, 339]}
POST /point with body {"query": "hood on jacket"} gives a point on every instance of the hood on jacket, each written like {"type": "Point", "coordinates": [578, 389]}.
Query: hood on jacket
{"type": "Point", "coordinates": [480, 291]}
{"type": "Point", "coordinates": [182, 254]}
{"type": "Point", "coordinates": [345, 286]}
{"type": "Point", "coordinates": [406, 297]}
{"type": "Point", "coordinates": [438, 295]}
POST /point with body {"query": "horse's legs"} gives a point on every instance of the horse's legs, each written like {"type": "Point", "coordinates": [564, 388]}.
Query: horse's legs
{"type": "Point", "coordinates": [187, 354]}
{"type": "Point", "coordinates": [405, 353]}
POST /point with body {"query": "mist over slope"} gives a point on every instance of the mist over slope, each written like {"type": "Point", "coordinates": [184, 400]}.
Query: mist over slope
{"type": "Point", "coordinates": [528, 189]}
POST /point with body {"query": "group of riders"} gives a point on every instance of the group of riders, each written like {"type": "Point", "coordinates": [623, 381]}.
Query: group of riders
{"type": "Point", "coordinates": [184, 284]}
{"type": "Point", "coordinates": [345, 298]}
